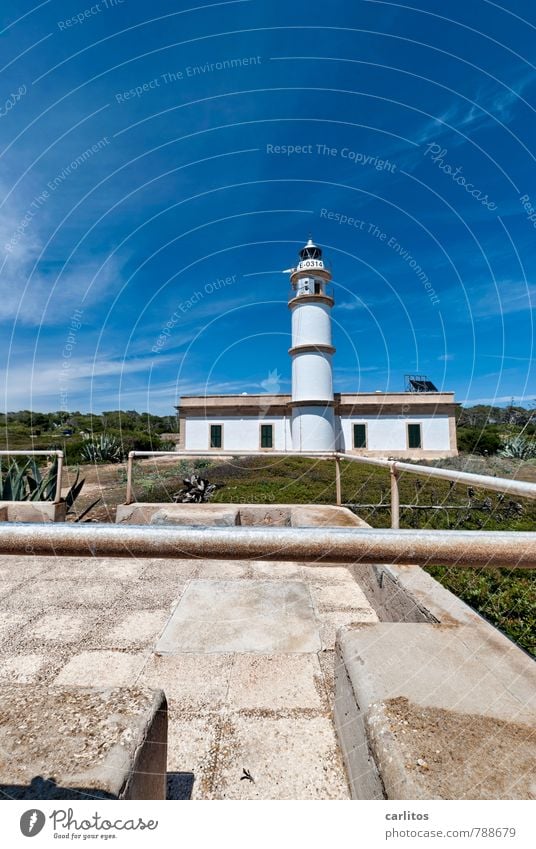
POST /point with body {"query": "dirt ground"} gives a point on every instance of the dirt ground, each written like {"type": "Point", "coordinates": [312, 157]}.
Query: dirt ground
{"type": "Point", "coordinates": [109, 482]}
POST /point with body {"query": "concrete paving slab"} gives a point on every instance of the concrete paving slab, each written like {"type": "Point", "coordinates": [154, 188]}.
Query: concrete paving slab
{"type": "Point", "coordinates": [318, 574]}
{"type": "Point", "coordinates": [109, 668]}
{"type": "Point", "coordinates": [192, 682]}
{"type": "Point", "coordinates": [192, 747]}
{"type": "Point", "coordinates": [7, 587]}
{"type": "Point", "coordinates": [150, 594]}
{"type": "Point", "coordinates": [165, 570]}
{"type": "Point", "coordinates": [242, 616]}
{"type": "Point", "coordinates": [441, 665]}
{"type": "Point", "coordinates": [11, 624]}
{"type": "Point", "coordinates": [82, 743]}
{"type": "Point", "coordinates": [117, 568]}
{"type": "Point", "coordinates": [222, 570]}
{"type": "Point", "coordinates": [279, 571]}
{"type": "Point", "coordinates": [47, 594]}
{"type": "Point", "coordinates": [21, 668]}
{"type": "Point", "coordinates": [435, 711]}
{"type": "Point", "coordinates": [276, 682]}
{"type": "Point", "coordinates": [137, 629]}
{"type": "Point", "coordinates": [287, 758]}
{"type": "Point", "coordinates": [59, 626]}
{"type": "Point", "coordinates": [343, 596]}
{"type": "Point", "coordinates": [333, 620]}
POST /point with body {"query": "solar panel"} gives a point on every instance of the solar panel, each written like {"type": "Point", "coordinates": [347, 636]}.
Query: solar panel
{"type": "Point", "coordinates": [422, 385]}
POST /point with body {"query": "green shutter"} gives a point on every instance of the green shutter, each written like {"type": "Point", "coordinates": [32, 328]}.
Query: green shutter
{"type": "Point", "coordinates": [266, 436]}
{"type": "Point", "coordinates": [360, 436]}
{"type": "Point", "coordinates": [215, 436]}
{"type": "Point", "coordinates": [414, 436]}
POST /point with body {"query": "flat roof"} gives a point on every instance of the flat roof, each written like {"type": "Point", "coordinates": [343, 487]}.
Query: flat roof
{"type": "Point", "coordinates": [344, 399]}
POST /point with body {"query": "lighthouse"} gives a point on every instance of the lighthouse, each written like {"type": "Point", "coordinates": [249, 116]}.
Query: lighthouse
{"type": "Point", "coordinates": [312, 403]}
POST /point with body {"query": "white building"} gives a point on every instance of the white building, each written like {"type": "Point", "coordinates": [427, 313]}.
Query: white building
{"type": "Point", "coordinates": [314, 418]}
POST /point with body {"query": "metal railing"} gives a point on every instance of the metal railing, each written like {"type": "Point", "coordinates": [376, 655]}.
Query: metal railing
{"type": "Point", "coordinates": [504, 485]}
{"type": "Point", "coordinates": [41, 453]}
{"type": "Point", "coordinates": [331, 545]}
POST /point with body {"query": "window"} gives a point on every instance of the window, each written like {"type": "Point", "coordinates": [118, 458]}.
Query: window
{"type": "Point", "coordinates": [267, 436]}
{"type": "Point", "coordinates": [360, 436]}
{"type": "Point", "coordinates": [414, 436]}
{"type": "Point", "coordinates": [318, 288]}
{"type": "Point", "coordinates": [215, 436]}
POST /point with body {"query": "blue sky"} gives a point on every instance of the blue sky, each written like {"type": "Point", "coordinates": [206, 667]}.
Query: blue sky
{"type": "Point", "coordinates": [161, 163]}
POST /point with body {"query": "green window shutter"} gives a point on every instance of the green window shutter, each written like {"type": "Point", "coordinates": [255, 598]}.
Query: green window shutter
{"type": "Point", "coordinates": [414, 436]}
{"type": "Point", "coordinates": [266, 436]}
{"type": "Point", "coordinates": [360, 436]}
{"type": "Point", "coordinates": [215, 436]}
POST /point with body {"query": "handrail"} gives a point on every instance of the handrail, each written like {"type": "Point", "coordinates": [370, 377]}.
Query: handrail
{"type": "Point", "coordinates": [522, 489]}
{"type": "Point", "coordinates": [328, 545]}
{"type": "Point", "coordinates": [31, 452]}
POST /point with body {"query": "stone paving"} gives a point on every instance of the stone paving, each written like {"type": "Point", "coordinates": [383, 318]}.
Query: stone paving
{"type": "Point", "coordinates": [243, 651]}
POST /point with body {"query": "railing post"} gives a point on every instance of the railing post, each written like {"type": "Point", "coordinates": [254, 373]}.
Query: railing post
{"type": "Point", "coordinates": [57, 495]}
{"type": "Point", "coordinates": [128, 499]}
{"type": "Point", "coordinates": [338, 490]}
{"type": "Point", "coordinates": [395, 497]}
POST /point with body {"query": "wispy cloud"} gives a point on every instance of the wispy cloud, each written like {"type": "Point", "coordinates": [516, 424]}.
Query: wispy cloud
{"type": "Point", "coordinates": [489, 103]}
{"type": "Point", "coordinates": [510, 296]}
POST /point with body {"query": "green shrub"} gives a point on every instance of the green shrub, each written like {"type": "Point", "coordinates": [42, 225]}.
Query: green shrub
{"type": "Point", "coordinates": [476, 440]}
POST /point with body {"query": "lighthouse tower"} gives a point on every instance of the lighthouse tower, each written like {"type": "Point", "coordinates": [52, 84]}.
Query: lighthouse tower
{"type": "Point", "coordinates": [311, 302]}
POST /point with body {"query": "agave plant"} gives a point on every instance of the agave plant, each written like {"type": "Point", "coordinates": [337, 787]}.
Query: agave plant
{"type": "Point", "coordinates": [106, 449]}
{"type": "Point", "coordinates": [195, 491]}
{"type": "Point", "coordinates": [519, 448]}
{"type": "Point", "coordinates": [27, 483]}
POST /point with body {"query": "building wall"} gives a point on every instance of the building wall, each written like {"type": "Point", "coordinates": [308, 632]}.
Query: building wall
{"type": "Point", "coordinates": [238, 433]}
{"type": "Point", "coordinates": [386, 435]}
{"type": "Point", "coordinates": [389, 433]}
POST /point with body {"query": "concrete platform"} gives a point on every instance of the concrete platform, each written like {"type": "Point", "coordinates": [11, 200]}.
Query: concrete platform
{"type": "Point", "coordinates": [82, 743]}
{"type": "Point", "coordinates": [32, 511]}
{"type": "Point", "coordinates": [244, 652]}
{"type": "Point", "coordinates": [435, 711]}
{"type": "Point", "coordinates": [223, 515]}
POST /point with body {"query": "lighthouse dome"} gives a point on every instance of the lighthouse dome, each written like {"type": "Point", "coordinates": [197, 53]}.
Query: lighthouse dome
{"type": "Point", "coordinates": [310, 251]}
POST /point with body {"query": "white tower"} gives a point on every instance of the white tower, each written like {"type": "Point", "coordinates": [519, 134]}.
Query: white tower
{"type": "Point", "coordinates": [313, 421]}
